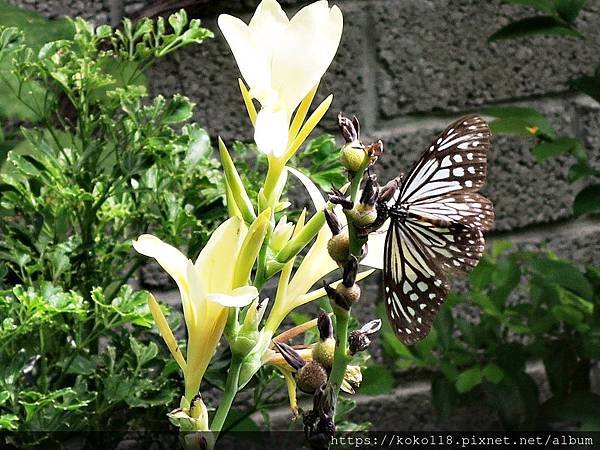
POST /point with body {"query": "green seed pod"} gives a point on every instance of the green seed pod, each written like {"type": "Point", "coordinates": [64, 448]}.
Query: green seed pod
{"type": "Point", "coordinates": [323, 351]}
{"type": "Point", "coordinates": [310, 377]}
{"type": "Point", "coordinates": [352, 156]}
{"type": "Point", "coordinates": [339, 247]}
{"type": "Point", "coordinates": [362, 215]}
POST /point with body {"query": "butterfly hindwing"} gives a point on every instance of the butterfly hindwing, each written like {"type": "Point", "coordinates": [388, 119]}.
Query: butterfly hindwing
{"type": "Point", "coordinates": [414, 289]}
{"type": "Point", "coordinates": [470, 209]}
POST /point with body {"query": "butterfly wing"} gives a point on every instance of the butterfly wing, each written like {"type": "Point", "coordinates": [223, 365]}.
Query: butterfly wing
{"type": "Point", "coordinates": [415, 287]}
{"type": "Point", "coordinates": [443, 232]}
{"type": "Point", "coordinates": [456, 162]}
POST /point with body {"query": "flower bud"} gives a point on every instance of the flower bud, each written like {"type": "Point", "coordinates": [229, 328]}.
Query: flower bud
{"type": "Point", "coordinates": [319, 424]}
{"type": "Point", "coordinates": [281, 234]}
{"type": "Point", "coordinates": [339, 247]}
{"type": "Point", "coordinates": [323, 351]}
{"type": "Point", "coordinates": [365, 211]}
{"type": "Point", "coordinates": [350, 294]}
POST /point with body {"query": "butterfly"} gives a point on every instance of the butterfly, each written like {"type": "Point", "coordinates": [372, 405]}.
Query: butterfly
{"type": "Point", "coordinates": [436, 224]}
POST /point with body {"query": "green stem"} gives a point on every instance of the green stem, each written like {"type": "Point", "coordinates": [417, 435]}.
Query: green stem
{"type": "Point", "coordinates": [340, 357]}
{"type": "Point", "coordinates": [231, 387]}
{"type": "Point", "coordinates": [355, 184]}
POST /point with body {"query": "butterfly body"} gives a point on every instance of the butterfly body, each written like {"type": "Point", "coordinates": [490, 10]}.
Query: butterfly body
{"type": "Point", "coordinates": [436, 224]}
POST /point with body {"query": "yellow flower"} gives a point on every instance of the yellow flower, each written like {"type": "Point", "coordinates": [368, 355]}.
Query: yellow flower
{"type": "Point", "coordinates": [282, 60]}
{"type": "Point", "coordinates": [208, 288]}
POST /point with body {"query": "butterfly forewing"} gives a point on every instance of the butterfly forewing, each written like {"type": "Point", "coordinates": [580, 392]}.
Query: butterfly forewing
{"type": "Point", "coordinates": [442, 229]}
{"type": "Point", "coordinates": [455, 161]}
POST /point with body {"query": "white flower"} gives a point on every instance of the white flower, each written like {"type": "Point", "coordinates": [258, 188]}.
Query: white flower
{"type": "Point", "coordinates": [282, 60]}
{"type": "Point", "coordinates": [207, 290]}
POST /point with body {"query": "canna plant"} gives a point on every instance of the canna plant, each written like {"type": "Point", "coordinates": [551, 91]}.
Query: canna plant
{"type": "Point", "coordinates": [282, 61]}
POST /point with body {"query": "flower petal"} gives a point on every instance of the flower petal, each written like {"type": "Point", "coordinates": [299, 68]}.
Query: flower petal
{"type": "Point", "coordinates": [305, 52]}
{"type": "Point", "coordinates": [181, 270]}
{"type": "Point", "coordinates": [271, 131]}
{"type": "Point", "coordinates": [216, 263]}
{"type": "Point", "coordinates": [315, 265]}
{"type": "Point", "coordinates": [267, 25]}
{"type": "Point", "coordinates": [315, 195]}
{"type": "Point", "coordinates": [170, 258]}
{"type": "Point", "coordinates": [254, 62]}
{"type": "Point", "coordinates": [238, 298]}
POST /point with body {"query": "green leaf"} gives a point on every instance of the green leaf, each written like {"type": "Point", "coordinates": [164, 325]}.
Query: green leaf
{"type": "Point", "coordinates": [532, 26]}
{"type": "Point", "coordinates": [178, 110]}
{"type": "Point", "coordinates": [568, 10]}
{"type": "Point", "coordinates": [81, 365]}
{"type": "Point", "coordinates": [443, 396]}
{"type": "Point", "coordinates": [560, 146]}
{"type": "Point", "coordinates": [581, 170]}
{"type": "Point", "coordinates": [481, 276]}
{"type": "Point", "coordinates": [468, 379]}
{"type": "Point", "coordinates": [444, 325]}
{"type": "Point", "coordinates": [492, 373]}
{"type": "Point", "coordinates": [563, 274]}
{"type": "Point", "coordinates": [520, 121]}
{"type": "Point", "coordinates": [560, 363]}
{"type": "Point", "coordinates": [541, 5]}
{"type": "Point", "coordinates": [143, 353]}
{"type": "Point", "coordinates": [9, 422]}
{"type": "Point", "coordinates": [515, 398]}
{"type": "Point", "coordinates": [4, 395]}
{"type": "Point", "coordinates": [377, 380]}
{"type": "Point", "coordinates": [36, 29]}
{"type": "Point", "coordinates": [587, 201]}
{"type": "Point", "coordinates": [588, 85]}
{"type": "Point", "coordinates": [343, 408]}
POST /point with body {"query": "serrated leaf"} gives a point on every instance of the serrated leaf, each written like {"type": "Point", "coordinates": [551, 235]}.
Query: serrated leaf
{"type": "Point", "coordinates": [143, 353]}
{"type": "Point", "coordinates": [178, 110]}
{"type": "Point", "coordinates": [532, 26]}
{"type": "Point", "coordinates": [587, 201]}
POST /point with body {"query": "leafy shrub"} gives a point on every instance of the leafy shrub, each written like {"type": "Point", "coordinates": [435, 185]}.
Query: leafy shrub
{"type": "Point", "coordinates": [530, 306]}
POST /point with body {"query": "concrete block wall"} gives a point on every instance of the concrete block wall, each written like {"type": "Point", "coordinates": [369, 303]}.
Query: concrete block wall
{"type": "Point", "coordinates": [407, 68]}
